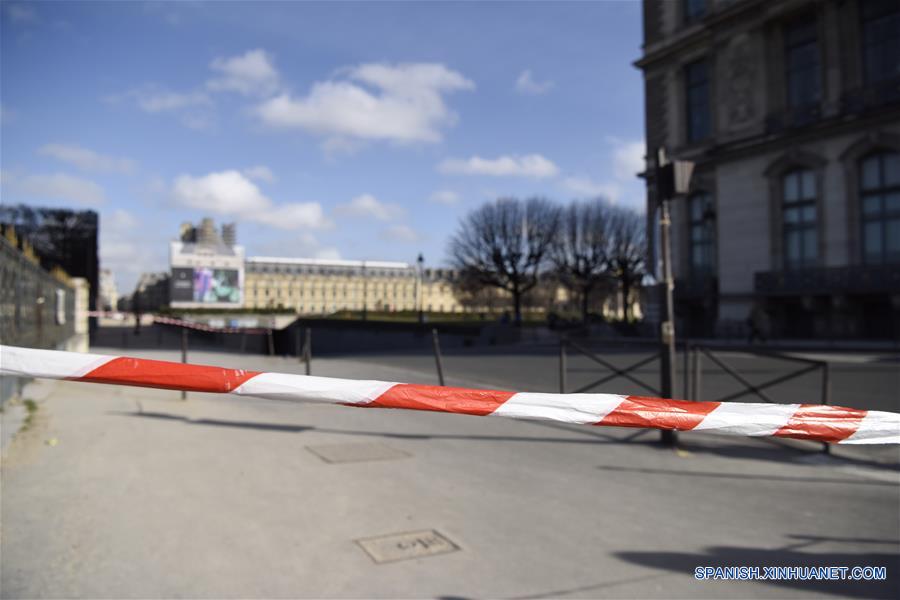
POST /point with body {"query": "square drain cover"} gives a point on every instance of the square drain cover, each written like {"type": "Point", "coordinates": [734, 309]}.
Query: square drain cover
{"type": "Point", "coordinates": [404, 546]}
{"type": "Point", "coordinates": [344, 453]}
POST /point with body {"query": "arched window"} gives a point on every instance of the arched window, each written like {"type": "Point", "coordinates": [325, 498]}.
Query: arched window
{"type": "Point", "coordinates": [880, 207]}
{"type": "Point", "coordinates": [799, 219]}
{"type": "Point", "coordinates": [702, 233]}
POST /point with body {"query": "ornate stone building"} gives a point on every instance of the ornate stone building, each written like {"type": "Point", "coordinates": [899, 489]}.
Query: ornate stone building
{"type": "Point", "coordinates": [791, 112]}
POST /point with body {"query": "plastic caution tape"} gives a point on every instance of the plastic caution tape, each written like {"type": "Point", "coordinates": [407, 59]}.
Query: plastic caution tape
{"type": "Point", "coordinates": [834, 424]}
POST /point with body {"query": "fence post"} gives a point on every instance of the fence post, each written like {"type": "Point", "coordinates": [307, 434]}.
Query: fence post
{"type": "Point", "coordinates": [826, 397]}
{"type": "Point", "coordinates": [695, 380]}
{"type": "Point", "coordinates": [271, 342]}
{"type": "Point", "coordinates": [307, 350]}
{"type": "Point", "coordinates": [437, 355]}
{"type": "Point", "coordinates": [184, 352]}
{"type": "Point", "coordinates": [298, 347]}
{"type": "Point", "coordinates": [562, 365]}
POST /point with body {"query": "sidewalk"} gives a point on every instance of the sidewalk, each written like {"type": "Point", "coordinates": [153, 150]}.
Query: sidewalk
{"type": "Point", "coordinates": [128, 492]}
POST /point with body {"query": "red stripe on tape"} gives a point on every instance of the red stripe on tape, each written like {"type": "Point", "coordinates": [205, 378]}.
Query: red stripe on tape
{"type": "Point", "coordinates": [168, 375]}
{"type": "Point", "coordinates": [447, 399]}
{"type": "Point", "coordinates": [641, 411]}
{"type": "Point", "coordinates": [823, 423]}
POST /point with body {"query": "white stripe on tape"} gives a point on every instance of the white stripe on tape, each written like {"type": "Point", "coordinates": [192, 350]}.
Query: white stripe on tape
{"type": "Point", "coordinates": [571, 408]}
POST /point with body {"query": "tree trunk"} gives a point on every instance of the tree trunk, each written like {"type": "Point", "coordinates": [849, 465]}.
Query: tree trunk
{"type": "Point", "coordinates": [585, 304]}
{"type": "Point", "coordinates": [626, 293]}
{"type": "Point", "coordinates": [517, 304]}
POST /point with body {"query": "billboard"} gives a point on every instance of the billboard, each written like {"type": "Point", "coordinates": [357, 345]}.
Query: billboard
{"type": "Point", "coordinates": [206, 285]}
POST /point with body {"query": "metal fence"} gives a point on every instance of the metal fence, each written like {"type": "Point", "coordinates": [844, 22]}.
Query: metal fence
{"type": "Point", "coordinates": [37, 310]}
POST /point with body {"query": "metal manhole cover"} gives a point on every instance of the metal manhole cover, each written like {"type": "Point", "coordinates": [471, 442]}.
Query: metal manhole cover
{"type": "Point", "coordinates": [344, 453]}
{"type": "Point", "coordinates": [404, 546]}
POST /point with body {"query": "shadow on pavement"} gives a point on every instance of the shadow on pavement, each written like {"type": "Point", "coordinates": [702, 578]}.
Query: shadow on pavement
{"type": "Point", "coordinates": [777, 453]}
{"type": "Point", "coordinates": [406, 436]}
{"type": "Point", "coordinates": [726, 556]}
{"type": "Point", "coordinates": [743, 476]}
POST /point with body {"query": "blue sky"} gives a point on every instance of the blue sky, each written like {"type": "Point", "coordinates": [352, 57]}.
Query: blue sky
{"type": "Point", "coordinates": [351, 130]}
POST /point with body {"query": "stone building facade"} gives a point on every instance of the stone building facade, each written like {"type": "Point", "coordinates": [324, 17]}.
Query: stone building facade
{"type": "Point", "coordinates": [320, 286]}
{"type": "Point", "coordinates": [791, 112]}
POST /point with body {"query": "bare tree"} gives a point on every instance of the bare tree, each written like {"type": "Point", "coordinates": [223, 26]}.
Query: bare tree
{"type": "Point", "coordinates": [627, 251]}
{"type": "Point", "coordinates": [504, 244]}
{"type": "Point", "coordinates": [580, 251]}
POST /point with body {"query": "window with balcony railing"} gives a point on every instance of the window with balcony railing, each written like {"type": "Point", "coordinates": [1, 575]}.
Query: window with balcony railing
{"type": "Point", "coordinates": [880, 204]}
{"type": "Point", "coordinates": [799, 219]}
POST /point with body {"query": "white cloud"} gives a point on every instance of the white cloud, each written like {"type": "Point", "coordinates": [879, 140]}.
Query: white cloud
{"type": "Point", "coordinates": [231, 193]}
{"type": "Point", "coordinates": [86, 159]}
{"type": "Point", "coordinates": [53, 186]}
{"type": "Point", "coordinates": [152, 98]}
{"type": "Point", "coordinates": [301, 244]}
{"type": "Point", "coordinates": [21, 13]}
{"type": "Point", "coordinates": [129, 248]}
{"type": "Point", "coordinates": [584, 187]}
{"type": "Point", "coordinates": [400, 233]}
{"type": "Point", "coordinates": [367, 205]}
{"type": "Point", "coordinates": [260, 173]}
{"type": "Point", "coordinates": [251, 73]}
{"type": "Point", "coordinates": [401, 103]}
{"type": "Point", "coordinates": [530, 165]}
{"type": "Point", "coordinates": [628, 158]}
{"type": "Point", "coordinates": [526, 84]}
{"type": "Point", "coordinates": [194, 108]}
{"type": "Point", "coordinates": [444, 197]}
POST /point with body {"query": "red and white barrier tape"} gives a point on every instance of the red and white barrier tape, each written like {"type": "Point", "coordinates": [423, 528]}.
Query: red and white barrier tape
{"type": "Point", "coordinates": [204, 327]}
{"type": "Point", "coordinates": [833, 424]}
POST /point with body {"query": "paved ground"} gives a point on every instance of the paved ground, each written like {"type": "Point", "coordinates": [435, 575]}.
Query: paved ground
{"type": "Point", "coordinates": [126, 492]}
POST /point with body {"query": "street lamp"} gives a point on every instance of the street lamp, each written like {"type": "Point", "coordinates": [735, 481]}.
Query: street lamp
{"type": "Point", "coordinates": [421, 262]}
{"type": "Point", "coordinates": [672, 179]}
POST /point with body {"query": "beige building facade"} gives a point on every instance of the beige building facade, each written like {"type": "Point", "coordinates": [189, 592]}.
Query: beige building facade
{"type": "Point", "coordinates": [791, 113]}
{"type": "Point", "coordinates": [321, 287]}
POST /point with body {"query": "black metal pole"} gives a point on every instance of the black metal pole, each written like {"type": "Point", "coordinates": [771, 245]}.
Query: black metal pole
{"type": "Point", "coordinates": [307, 350]}
{"type": "Point", "coordinates": [667, 326]}
{"type": "Point", "coordinates": [184, 353]}
{"type": "Point", "coordinates": [271, 342]}
{"type": "Point", "coordinates": [562, 365]}
{"type": "Point", "coordinates": [436, 344]}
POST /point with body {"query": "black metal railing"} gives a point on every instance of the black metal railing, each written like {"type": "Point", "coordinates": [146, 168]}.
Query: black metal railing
{"type": "Point", "coordinates": [830, 280]}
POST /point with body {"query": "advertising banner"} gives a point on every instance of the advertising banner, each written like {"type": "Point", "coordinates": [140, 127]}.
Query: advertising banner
{"type": "Point", "coordinates": [206, 285]}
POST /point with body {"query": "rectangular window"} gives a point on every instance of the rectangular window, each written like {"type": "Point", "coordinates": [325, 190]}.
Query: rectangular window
{"type": "Point", "coordinates": [798, 216]}
{"type": "Point", "coordinates": [702, 234]}
{"type": "Point", "coordinates": [802, 63]}
{"type": "Point", "coordinates": [697, 97]}
{"type": "Point", "coordinates": [880, 199]}
{"type": "Point", "coordinates": [881, 39]}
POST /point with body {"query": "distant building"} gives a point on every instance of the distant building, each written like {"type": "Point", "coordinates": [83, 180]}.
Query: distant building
{"type": "Point", "coordinates": [320, 286]}
{"type": "Point", "coordinates": [791, 113]}
{"type": "Point", "coordinates": [109, 293]}
{"type": "Point", "coordinates": [151, 292]}
{"type": "Point", "coordinates": [207, 269]}
{"type": "Point", "coordinates": [61, 238]}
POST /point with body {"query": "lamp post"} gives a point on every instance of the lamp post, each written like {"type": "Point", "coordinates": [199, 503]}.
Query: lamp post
{"type": "Point", "coordinates": [672, 179]}
{"type": "Point", "coordinates": [419, 288]}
